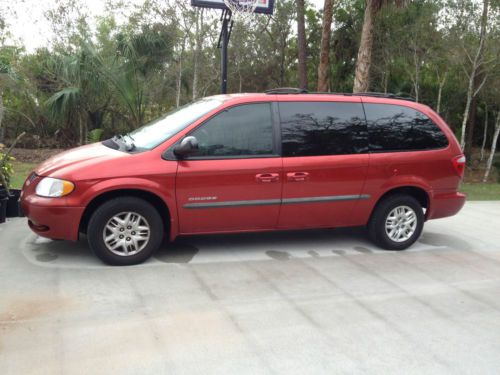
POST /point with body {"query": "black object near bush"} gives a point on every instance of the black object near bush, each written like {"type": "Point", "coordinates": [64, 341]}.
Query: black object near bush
{"type": "Point", "coordinates": [9, 204]}
{"type": "Point", "coordinates": [3, 205]}
{"type": "Point", "coordinates": [13, 207]}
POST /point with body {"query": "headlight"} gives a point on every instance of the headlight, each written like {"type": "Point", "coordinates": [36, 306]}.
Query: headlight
{"type": "Point", "coordinates": [53, 187]}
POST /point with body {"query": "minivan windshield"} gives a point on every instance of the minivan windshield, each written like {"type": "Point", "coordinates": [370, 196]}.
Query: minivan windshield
{"type": "Point", "coordinates": [158, 131]}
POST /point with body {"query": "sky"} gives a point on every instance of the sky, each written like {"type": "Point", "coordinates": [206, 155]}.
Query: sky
{"type": "Point", "coordinates": [30, 27]}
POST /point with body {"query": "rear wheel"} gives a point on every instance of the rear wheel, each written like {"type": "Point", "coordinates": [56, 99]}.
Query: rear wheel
{"type": "Point", "coordinates": [125, 231]}
{"type": "Point", "coordinates": [397, 222]}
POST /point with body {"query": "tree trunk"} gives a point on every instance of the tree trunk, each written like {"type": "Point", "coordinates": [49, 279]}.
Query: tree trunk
{"type": "Point", "coordinates": [324, 54]}
{"type": "Point", "coordinates": [363, 63]}
{"type": "Point", "coordinates": [442, 82]}
{"type": "Point", "coordinates": [80, 128]}
{"type": "Point", "coordinates": [2, 112]}
{"type": "Point", "coordinates": [416, 82]}
{"type": "Point", "coordinates": [466, 113]}
{"type": "Point", "coordinates": [472, 91]}
{"type": "Point", "coordinates": [197, 51]}
{"type": "Point", "coordinates": [240, 86]}
{"type": "Point", "coordinates": [386, 80]}
{"type": "Point", "coordinates": [179, 77]}
{"type": "Point", "coordinates": [493, 149]}
{"type": "Point", "coordinates": [485, 134]}
{"type": "Point", "coordinates": [470, 130]}
{"type": "Point", "coordinates": [302, 44]}
{"type": "Point", "coordinates": [283, 59]}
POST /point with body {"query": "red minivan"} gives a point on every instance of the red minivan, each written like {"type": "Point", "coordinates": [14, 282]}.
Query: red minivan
{"type": "Point", "coordinates": [253, 162]}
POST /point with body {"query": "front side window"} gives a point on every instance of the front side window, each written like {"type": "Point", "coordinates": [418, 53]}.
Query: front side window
{"type": "Point", "coordinates": [398, 128]}
{"type": "Point", "coordinates": [155, 133]}
{"type": "Point", "coordinates": [241, 131]}
{"type": "Point", "coordinates": [322, 128]}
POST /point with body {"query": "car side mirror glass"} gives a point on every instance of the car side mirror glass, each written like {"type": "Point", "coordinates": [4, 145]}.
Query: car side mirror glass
{"type": "Point", "coordinates": [188, 146]}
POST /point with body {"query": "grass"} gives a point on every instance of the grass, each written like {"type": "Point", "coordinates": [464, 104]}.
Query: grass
{"type": "Point", "coordinates": [21, 171]}
{"type": "Point", "coordinates": [481, 192]}
{"type": "Point", "coordinates": [475, 192]}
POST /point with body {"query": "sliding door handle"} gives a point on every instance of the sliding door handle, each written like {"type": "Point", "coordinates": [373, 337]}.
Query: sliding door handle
{"type": "Point", "coordinates": [267, 177]}
{"type": "Point", "coordinates": [297, 176]}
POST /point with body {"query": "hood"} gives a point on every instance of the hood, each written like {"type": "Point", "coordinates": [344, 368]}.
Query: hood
{"type": "Point", "coordinates": [66, 164]}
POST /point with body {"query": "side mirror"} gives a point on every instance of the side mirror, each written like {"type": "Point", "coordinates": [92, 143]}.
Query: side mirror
{"type": "Point", "coordinates": [188, 145]}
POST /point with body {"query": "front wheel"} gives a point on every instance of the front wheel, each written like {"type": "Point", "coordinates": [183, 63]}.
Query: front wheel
{"type": "Point", "coordinates": [125, 231]}
{"type": "Point", "coordinates": [397, 222]}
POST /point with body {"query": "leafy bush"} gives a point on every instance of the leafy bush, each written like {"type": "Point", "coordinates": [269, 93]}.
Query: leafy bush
{"type": "Point", "coordinates": [6, 168]}
{"type": "Point", "coordinates": [95, 135]}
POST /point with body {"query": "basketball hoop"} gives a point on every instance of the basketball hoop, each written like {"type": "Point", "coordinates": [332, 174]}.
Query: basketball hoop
{"type": "Point", "coordinates": [242, 10]}
{"type": "Point", "coordinates": [239, 10]}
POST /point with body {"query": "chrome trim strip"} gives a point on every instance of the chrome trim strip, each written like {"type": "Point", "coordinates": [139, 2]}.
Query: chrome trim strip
{"type": "Point", "coordinates": [267, 202]}
{"type": "Point", "coordinates": [270, 202]}
{"type": "Point", "coordinates": [333, 198]}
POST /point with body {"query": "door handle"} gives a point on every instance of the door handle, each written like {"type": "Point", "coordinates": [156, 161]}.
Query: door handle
{"type": "Point", "coordinates": [297, 176]}
{"type": "Point", "coordinates": [267, 177]}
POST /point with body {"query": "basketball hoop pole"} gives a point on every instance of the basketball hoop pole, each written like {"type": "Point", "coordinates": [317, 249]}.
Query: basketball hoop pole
{"type": "Point", "coordinates": [225, 35]}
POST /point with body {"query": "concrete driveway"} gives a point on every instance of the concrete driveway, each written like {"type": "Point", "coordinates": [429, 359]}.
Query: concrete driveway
{"type": "Point", "coordinates": [314, 302]}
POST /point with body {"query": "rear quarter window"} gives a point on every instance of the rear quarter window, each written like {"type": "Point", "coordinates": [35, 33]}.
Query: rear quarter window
{"type": "Point", "coordinates": [398, 128]}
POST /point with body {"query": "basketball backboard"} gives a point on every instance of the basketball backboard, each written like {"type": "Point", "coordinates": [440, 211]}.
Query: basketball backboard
{"type": "Point", "coordinates": [263, 6]}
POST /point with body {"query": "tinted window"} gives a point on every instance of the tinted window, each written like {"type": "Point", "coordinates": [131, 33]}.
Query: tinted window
{"type": "Point", "coordinates": [244, 130]}
{"type": "Point", "coordinates": [158, 131]}
{"type": "Point", "coordinates": [322, 128]}
{"type": "Point", "coordinates": [397, 128]}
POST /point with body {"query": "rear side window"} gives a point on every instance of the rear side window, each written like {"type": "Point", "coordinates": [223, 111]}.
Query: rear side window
{"type": "Point", "coordinates": [245, 130]}
{"type": "Point", "coordinates": [398, 128]}
{"type": "Point", "coordinates": [322, 128]}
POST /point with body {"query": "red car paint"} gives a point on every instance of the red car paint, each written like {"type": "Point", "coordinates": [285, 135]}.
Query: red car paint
{"type": "Point", "coordinates": [96, 169]}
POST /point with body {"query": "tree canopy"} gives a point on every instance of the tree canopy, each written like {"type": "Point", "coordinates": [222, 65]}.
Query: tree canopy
{"type": "Point", "coordinates": [110, 74]}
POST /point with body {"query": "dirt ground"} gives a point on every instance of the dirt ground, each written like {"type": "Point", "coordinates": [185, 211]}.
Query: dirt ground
{"type": "Point", "coordinates": [34, 156]}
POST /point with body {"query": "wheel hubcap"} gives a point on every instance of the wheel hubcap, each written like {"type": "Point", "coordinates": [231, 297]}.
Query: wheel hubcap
{"type": "Point", "coordinates": [401, 224]}
{"type": "Point", "coordinates": [126, 234]}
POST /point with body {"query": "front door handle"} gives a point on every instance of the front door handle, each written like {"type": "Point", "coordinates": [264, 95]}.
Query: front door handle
{"type": "Point", "coordinates": [297, 176]}
{"type": "Point", "coordinates": [267, 177]}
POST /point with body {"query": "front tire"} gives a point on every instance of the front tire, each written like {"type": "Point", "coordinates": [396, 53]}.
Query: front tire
{"type": "Point", "coordinates": [125, 231]}
{"type": "Point", "coordinates": [397, 222]}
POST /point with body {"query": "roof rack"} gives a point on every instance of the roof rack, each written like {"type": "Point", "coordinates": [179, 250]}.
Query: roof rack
{"type": "Point", "coordinates": [287, 91]}
{"type": "Point", "coordinates": [292, 90]}
{"type": "Point", "coordinates": [379, 95]}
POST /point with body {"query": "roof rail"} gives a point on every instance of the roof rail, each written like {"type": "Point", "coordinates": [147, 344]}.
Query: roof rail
{"type": "Point", "coordinates": [293, 90]}
{"type": "Point", "coordinates": [381, 95]}
{"type": "Point", "coordinates": [286, 91]}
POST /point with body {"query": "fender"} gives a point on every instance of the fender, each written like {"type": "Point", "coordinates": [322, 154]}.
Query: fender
{"type": "Point", "coordinates": [400, 181]}
{"type": "Point", "coordinates": [163, 187]}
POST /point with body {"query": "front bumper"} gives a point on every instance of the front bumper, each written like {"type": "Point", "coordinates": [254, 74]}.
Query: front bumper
{"type": "Point", "coordinates": [51, 218]}
{"type": "Point", "coordinates": [445, 205]}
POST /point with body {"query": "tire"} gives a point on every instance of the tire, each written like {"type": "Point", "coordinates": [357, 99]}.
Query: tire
{"type": "Point", "coordinates": [398, 212]}
{"type": "Point", "coordinates": [133, 227]}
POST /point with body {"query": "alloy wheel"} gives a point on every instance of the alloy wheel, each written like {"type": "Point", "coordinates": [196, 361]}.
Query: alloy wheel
{"type": "Point", "coordinates": [126, 234]}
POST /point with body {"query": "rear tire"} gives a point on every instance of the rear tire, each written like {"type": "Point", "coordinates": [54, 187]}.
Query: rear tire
{"type": "Point", "coordinates": [125, 231]}
{"type": "Point", "coordinates": [397, 222]}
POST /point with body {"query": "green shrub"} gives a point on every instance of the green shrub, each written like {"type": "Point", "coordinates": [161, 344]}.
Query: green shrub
{"type": "Point", "coordinates": [6, 168]}
{"type": "Point", "coordinates": [95, 135]}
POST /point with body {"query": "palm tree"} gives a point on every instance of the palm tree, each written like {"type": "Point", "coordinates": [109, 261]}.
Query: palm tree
{"type": "Point", "coordinates": [83, 88]}
{"type": "Point", "coordinates": [91, 79]}
{"type": "Point", "coordinates": [139, 58]}
{"type": "Point", "coordinates": [363, 63]}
